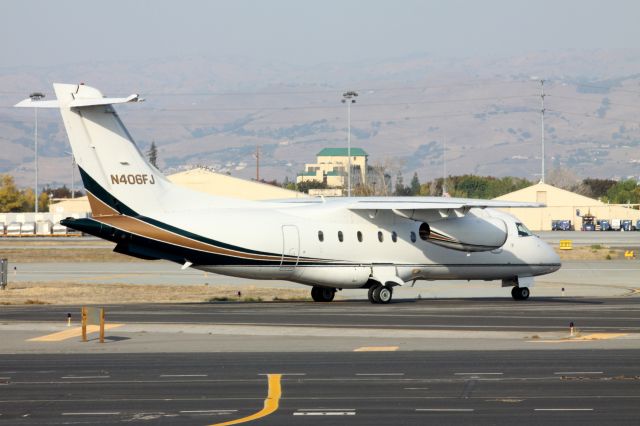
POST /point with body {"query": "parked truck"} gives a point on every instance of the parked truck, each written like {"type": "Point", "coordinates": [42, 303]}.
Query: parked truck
{"type": "Point", "coordinates": [615, 224]}
{"type": "Point", "coordinates": [605, 225]}
{"type": "Point", "coordinates": [588, 223]}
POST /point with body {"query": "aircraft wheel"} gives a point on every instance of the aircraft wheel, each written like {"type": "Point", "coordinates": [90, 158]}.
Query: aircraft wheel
{"type": "Point", "coordinates": [371, 294]}
{"type": "Point", "coordinates": [515, 293]}
{"type": "Point", "coordinates": [383, 294]}
{"type": "Point", "coordinates": [322, 294]}
{"type": "Point", "coordinates": [520, 293]}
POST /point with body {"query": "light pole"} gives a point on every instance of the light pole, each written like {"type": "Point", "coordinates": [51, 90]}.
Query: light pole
{"type": "Point", "coordinates": [542, 125]}
{"type": "Point", "coordinates": [349, 98]}
{"type": "Point", "coordinates": [36, 96]}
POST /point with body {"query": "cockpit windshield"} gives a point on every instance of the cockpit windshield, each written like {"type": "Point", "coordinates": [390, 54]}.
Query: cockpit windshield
{"type": "Point", "coordinates": [523, 231]}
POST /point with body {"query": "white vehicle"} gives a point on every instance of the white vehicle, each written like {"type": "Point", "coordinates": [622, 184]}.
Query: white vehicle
{"type": "Point", "coordinates": [372, 243]}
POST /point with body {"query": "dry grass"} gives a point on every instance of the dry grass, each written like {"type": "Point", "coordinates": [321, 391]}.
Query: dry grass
{"type": "Point", "coordinates": [59, 293]}
{"type": "Point", "coordinates": [26, 250]}
{"type": "Point", "coordinates": [594, 252]}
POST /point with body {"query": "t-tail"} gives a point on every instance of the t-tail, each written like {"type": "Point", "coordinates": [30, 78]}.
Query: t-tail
{"type": "Point", "coordinates": [117, 177]}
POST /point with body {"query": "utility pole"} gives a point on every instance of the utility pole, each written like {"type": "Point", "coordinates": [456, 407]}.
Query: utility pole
{"type": "Point", "coordinates": [349, 98]}
{"type": "Point", "coordinates": [36, 96]}
{"type": "Point", "coordinates": [542, 95]}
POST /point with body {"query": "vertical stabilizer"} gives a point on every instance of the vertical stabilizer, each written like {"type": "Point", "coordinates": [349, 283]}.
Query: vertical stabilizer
{"type": "Point", "coordinates": [115, 173]}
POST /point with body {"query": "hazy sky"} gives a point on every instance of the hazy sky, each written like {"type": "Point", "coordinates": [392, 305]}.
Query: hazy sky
{"type": "Point", "coordinates": [306, 32]}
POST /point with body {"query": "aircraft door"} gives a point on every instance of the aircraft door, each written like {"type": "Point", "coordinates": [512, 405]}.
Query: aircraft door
{"type": "Point", "coordinates": [290, 247]}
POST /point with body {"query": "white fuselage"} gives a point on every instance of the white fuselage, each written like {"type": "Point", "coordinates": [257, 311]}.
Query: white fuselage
{"type": "Point", "coordinates": [293, 230]}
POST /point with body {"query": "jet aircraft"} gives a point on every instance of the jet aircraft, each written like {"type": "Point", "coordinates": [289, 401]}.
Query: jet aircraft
{"type": "Point", "coordinates": [330, 244]}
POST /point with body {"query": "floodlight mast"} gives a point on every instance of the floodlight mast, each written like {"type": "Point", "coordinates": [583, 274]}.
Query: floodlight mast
{"type": "Point", "coordinates": [542, 95]}
{"type": "Point", "coordinates": [36, 96]}
{"type": "Point", "coordinates": [349, 98]}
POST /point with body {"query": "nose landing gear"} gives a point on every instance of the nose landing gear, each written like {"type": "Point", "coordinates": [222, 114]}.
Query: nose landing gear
{"type": "Point", "coordinates": [520, 293]}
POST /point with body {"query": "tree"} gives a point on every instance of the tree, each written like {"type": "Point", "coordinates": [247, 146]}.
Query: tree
{"type": "Point", "coordinates": [415, 184]}
{"type": "Point", "coordinates": [11, 199]}
{"type": "Point", "coordinates": [310, 184]}
{"type": "Point", "coordinates": [152, 154]}
{"type": "Point", "coordinates": [625, 191]}
{"type": "Point", "coordinates": [401, 189]}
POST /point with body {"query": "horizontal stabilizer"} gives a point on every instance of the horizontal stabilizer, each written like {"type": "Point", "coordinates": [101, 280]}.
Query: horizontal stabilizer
{"type": "Point", "coordinates": [78, 103]}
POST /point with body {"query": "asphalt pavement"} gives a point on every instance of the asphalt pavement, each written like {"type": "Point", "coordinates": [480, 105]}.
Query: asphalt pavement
{"type": "Point", "coordinates": [408, 388]}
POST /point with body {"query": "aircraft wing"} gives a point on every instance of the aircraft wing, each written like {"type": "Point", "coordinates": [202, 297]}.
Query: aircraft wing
{"type": "Point", "coordinates": [421, 208]}
{"type": "Point", "coordinates": [433, 203]}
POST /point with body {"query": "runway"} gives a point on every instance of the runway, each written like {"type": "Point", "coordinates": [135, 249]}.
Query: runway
{"type": "Point", "coordinates": [409, 388]}
{"type": "Point", "coordinates": [535, 314]}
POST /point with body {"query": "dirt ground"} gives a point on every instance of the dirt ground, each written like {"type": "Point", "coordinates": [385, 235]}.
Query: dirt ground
{"type": "Point", "coordinates": [60, 293]}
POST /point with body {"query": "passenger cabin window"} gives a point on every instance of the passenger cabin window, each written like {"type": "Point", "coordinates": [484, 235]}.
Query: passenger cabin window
{"type": "Point", "coordinates": [394, 236]}
{"type": "Point", "coordinates": [413, 237]}
{"type": "Point", "coordinates": [320, 236]}
{"type": "Point", "coordinates": [340, 236]}
{"type": "Point", "coordinates": [359, 236]}
{"type": "Point", "coordinates": [523, 231]}
{"type": "Point", "coordinates": [424, 231]}
{"type": "Point", "coordinates": [380, 236]}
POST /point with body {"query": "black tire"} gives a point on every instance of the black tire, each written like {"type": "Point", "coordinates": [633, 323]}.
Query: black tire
{"type": "Point", "coordinates": [520, 293]}
{"type": "Point", "coordinates": [370, 294]}
{"type": "Point", "coordinates": [383, 294]}
{"type": "Point", "coordinates": [322, 294]}
{"type": "Point", "coordinates": [315, 294]}
{"type": "Point", "coordinates": [515, 293]}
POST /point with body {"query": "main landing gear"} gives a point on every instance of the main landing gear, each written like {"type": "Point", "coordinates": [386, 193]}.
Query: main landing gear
{"type": "Point", "coordinates": [520, 293]}
{"type": "Point", "coordinates": [380, 294]}
{"type": "Point", "coordinates": [322, 294]}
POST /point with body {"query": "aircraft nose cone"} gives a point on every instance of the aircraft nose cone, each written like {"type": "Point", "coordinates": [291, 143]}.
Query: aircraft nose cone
{"type": "Point", "coordinates": [551, 258]}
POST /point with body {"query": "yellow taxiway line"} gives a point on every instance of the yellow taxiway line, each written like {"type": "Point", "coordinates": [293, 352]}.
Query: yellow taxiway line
{"type": "Point", "coordinates": [271, 404]}
{"type": "Point", "coordinates": [70, 333]}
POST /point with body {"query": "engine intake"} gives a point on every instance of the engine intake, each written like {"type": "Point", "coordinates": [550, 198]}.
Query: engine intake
{"type": "Point", "coordinates": [466, 233]}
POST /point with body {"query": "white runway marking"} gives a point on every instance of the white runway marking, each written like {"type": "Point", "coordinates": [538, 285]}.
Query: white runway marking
{"type": "Point", "coordinates": [85, 377]}
{"type": "Point", "coordinates": [285, 374]}
{"type": "Point", "coordinates": [208, 411]}
{"type": "Point", "coordinates": [183, 375]}
{"type": "Point", "coordinates": [325, 412]}
{"type": "Point", "coordinates": [563, 409]}
{"type": "Point", "coordinates": [106, 413]}
{"type": "Point", "coordinates": [577, 372]}
{"type": "Point", "coordinates": [379, 374]}
{"type": "Point", "coordinates": [444, 410]}
{"type": "Point", "coordinates": [478, 374]}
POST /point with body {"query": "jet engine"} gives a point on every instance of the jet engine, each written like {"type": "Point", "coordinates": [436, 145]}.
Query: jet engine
{"type": "Point", "coordinates": [468, 233]}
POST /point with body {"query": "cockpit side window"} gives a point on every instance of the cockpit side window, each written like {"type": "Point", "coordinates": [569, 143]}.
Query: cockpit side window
{"type": "Point", "coordinates": [523, 231]}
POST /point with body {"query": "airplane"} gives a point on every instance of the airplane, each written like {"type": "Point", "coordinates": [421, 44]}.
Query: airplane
{"type": "Point", "coordinates": [330, 244]}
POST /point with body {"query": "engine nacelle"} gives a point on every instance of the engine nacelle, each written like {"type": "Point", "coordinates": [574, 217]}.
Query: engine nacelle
{"type": "Point", "coordinates": [468, 233]}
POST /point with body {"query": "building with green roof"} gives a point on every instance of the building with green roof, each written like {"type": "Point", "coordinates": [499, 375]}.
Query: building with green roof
{"type": "Point", "coordinates": [331, 167]}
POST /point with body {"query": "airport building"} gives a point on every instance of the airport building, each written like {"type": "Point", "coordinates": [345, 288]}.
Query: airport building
{"type": "Point", "coordinates": [564, 205]}
{"type": "Point", "coordinates": [331, 167]}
